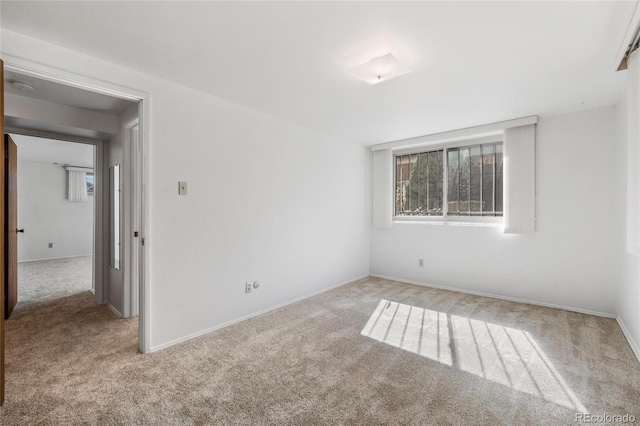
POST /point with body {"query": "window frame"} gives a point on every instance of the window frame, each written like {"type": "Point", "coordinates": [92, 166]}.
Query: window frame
{"type": "Point", "coordinates": [445, 218]}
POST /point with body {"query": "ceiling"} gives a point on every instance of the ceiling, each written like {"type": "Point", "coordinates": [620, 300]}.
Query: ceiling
{"type": "Point", "coordinates": [473, 62]}
{"type": "Point", "coordinates": [49, 151]}
{"type": "Point", "coordinates": [50, 91]}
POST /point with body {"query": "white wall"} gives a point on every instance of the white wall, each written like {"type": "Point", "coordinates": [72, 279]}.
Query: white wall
{"type": "Point", "coordinates": [572, 260]}
{"type": "Point", "coordinates": [268, 201]}
{"type": "Point", "coordinates": [60, 117]}
{"type": "Point", "coordinates": [47, 216]}
{"type": "Point", "coordinates": [628, 307]}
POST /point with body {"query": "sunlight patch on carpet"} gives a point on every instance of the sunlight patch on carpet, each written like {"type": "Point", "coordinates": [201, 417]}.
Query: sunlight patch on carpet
{"type": "Point", "coordinates": [503, 355]}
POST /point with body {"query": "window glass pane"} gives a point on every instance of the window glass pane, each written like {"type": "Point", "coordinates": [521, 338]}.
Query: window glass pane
{"type": "Point", "coordinates": [397, 185]}
{"type": "Point", "coordinates": [90, 184]}
{"type": "Point", "coordinates": [412, 187]}
{"type": "Point", "coordinates": [453, 182]}
{"type": "Point", "coordinates": [475, 204]}
{"type": "Point", "coordinates": [464, 181]}
{"type": "Point", "coordinates": [440, 200]}
{"type": "Point", "coordinates": [488, 173]}
{"type": "Point", "coordinates": [421, 173]}
{"type": "Point", "coordinates": [418, 184]}
{"type": "Point", "coordinates": [435, 183]}
{"type": "Point", "coordinates": [404, 171]}
{"type": "Point", "coordinates": [499, 208]}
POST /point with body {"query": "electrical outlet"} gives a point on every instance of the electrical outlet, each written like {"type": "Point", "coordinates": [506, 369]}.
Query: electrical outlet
{"type": "Point", "coordinates": [50, 245]}
{"type": "Point", "coordinates": [420, 263]}
{"type": "Point", "coordinates": [182, 188]}
{"type": "Point", "coordinates": [256, 284]}
{"type": "Point", "coordinates": [248, 287]}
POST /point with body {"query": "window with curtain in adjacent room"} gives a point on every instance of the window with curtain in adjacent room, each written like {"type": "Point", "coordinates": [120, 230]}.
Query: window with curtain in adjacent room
{"type": "Point", "coordinates": [77, 185]}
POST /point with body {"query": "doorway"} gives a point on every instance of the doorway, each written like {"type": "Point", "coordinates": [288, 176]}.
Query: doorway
{"type": "Point", "coordinates": [55, 219]}
{"type": "Point", "coordinates": [119, 285]}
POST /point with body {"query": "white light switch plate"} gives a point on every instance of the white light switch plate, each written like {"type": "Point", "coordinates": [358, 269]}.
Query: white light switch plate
{"type": "Point", "coordinates": [182, 188]}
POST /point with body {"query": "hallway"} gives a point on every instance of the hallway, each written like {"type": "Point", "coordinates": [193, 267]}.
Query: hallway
{"type": "Point", "coordinates": [58, 340]}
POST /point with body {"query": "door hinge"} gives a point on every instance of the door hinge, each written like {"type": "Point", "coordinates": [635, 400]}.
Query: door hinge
{"type": "Point", "coordinates": [135, 234]}
{"type": "Point", "coordinates": [142, 241]}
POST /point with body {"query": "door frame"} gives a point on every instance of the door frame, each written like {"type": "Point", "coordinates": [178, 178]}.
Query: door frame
{"type": "Point", "coordinates": [141, 169]}
{"type": "Point", "coordinates": [2, 336]}
{"type": "Point", "coordinates": [98, 271]}
{"type": "Point", "coordinates": [131, 211]}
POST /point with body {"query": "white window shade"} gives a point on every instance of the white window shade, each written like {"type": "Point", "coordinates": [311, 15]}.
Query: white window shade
{"type": "Point", "coordinates": [77, 186]}
{"type": "Point", "coordinates": [382, 188]}
{"type": "Point", "coordinates": [519, 186]}
{"type": "Point", "coordinates": [633, 153]}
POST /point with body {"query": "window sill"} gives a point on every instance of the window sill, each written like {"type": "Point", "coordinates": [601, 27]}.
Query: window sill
{"type": "Point", "coordinates": [493, 222]}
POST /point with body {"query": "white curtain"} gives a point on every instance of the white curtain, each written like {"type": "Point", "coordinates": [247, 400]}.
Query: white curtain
{"type": "Point", "coordinates": [77, 186]}
{"type": "Point", "coordinates": [633, 153]}
{"type": "Point", "coordinates": [382, 188]}
{"type": "Point", "coordinates": [519, 179]}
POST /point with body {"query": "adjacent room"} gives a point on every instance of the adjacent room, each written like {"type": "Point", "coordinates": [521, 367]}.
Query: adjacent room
{"type": "Point", "coordinates": [55, 217]}
{"type": "Point", "coordinates": [326, 212]}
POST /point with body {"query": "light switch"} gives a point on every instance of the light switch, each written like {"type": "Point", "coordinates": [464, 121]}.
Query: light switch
{"type": "Point", "coordinates": [182, 188]}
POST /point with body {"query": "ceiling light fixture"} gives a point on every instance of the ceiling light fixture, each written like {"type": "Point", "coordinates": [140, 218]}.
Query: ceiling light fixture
{"type": "Point", "coordinates": [22, 85]}
{"type": "Point", "coordinates": [380, 69]}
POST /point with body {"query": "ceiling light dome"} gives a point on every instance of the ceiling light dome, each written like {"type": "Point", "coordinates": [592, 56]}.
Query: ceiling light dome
{"type": "Point", "coordinates": [380, 69]}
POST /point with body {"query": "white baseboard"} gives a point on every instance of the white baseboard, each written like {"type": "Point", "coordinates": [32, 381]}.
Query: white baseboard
{"type": "Point", "coordinates": [497, 296]}
{"type": "Point", "coordinates": [114, 310]}
{"type": "Point", "coordinates": [54, 258]}
{"type": "Point", "coordinates": [246, 317]}
{"type": "Point", "coordinates": [634, 345]}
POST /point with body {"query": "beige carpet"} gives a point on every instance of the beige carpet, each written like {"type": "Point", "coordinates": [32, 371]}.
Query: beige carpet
{"type": "Point", "coordinates": [46, 280]}
{"type": "Point", "coordinates": [371, 352]}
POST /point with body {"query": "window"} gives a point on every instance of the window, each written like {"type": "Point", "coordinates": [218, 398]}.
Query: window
{"type": "Point", "coordinates": [419, 184]}
{"type": "Point", "coordinates": [459, 181]}
{"type": "Point", "coordinates": [89, 182]}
